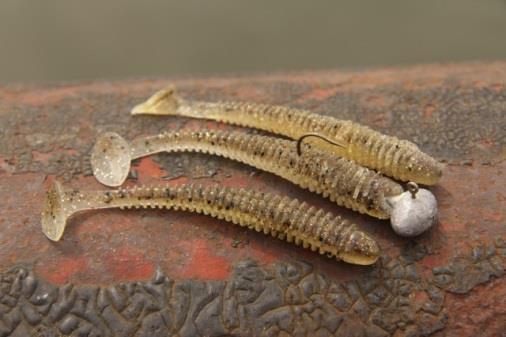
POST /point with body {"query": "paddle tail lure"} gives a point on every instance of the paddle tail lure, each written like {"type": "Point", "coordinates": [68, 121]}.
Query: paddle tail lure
{"type": "Point", "coordinates": [342, 181]}
{"type": "Point", "coordinates": [282, 217]}
{"type": "Point", "coordinates": [389, 155]}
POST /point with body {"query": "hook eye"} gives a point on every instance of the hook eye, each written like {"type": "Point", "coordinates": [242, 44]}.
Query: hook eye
{"type": "Point", "coordinates": [299, 141]}
{"type": "Point", "coordinates": [413, 189]}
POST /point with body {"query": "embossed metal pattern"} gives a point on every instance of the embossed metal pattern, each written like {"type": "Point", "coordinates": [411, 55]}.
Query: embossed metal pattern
{"type": "Point", "coordinates": [103, 275]}
{"type": "Point", "coordinates": [279, 299]}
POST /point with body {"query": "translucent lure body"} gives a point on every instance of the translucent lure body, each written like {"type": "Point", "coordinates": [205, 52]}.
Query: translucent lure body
{"type": "Point", "coordinates": [282, 217]}
{"type": "Point", "coordinates": [389, 155]}
{"type": "Point", "coordinates": [341, 180]}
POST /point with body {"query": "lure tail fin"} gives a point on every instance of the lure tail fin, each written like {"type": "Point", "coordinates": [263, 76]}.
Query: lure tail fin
{"type": "Point", "coordinates": [110, 159]}
{"type": "Point", "coordinates": [163, 102]}
{"type": "Point", "coordinates": [55, 212]}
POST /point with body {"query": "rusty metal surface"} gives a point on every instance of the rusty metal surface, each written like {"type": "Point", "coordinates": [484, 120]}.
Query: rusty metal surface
{"type": "Point", "coordinates": [160, 273]}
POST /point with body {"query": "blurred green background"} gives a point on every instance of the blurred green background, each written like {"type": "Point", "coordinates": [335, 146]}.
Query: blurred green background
{"type": "Point", "coordinates": [67, 40]}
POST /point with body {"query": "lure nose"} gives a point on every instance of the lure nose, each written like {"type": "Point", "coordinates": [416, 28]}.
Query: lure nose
{"type": "Point", "coordinates": [361, 249]}
{"type": "Point", "coordinates": [425, 170]}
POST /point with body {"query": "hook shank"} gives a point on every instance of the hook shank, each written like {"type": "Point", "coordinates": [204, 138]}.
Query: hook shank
{"type": "Point", "coordinates": [299, 141]}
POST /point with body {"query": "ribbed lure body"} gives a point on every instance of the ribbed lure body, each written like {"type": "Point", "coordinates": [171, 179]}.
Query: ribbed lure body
{"type": "Point", "coordinates": [281, 217]}
{"type": "Point", "coordinates": [339, 179]}
{"type": "Point", "coordinates": [389, 155]}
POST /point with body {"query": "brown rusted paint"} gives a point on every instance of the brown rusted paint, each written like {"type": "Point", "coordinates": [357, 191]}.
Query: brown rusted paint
{"type": "Point", "coordinates": [47, 132]}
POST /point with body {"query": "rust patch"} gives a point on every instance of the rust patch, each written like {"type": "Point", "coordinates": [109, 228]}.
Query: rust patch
{"type": "Point", "coordinates": [421, 287]}
{"type": "Point", "coordinates": [482, 322]}
{"type": "Point", "coordinates": [203, 263]}
{"type": "Point", "coordinates": [127, 264]}
{"type": "Point", "coordinates": [63, 270]}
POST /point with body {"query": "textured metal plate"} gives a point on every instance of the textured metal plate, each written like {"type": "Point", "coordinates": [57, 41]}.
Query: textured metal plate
{"type": "Point", "coordinates": [162, 273]}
